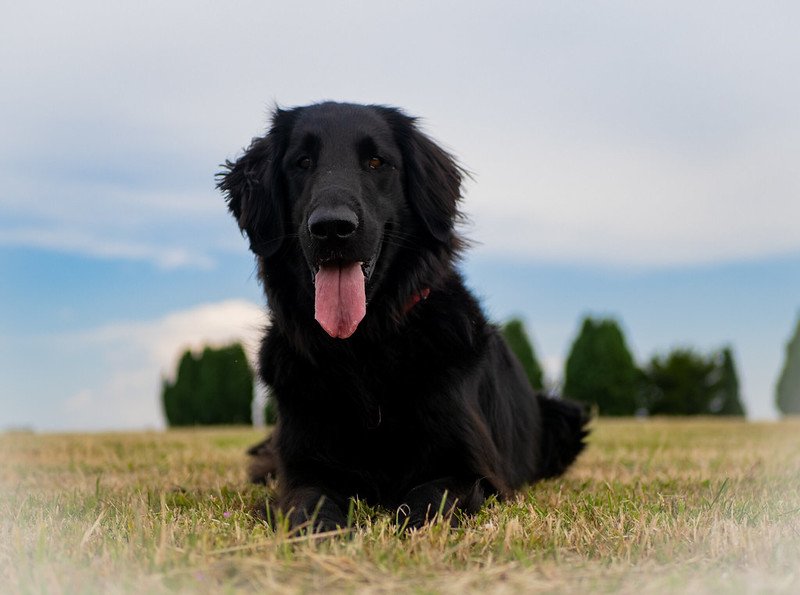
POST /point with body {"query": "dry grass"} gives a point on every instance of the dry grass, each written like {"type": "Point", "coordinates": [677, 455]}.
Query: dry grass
{"type": "Point", "coordinates": [651, 507]}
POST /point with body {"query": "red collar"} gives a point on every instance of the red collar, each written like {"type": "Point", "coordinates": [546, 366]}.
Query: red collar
{"type": "Point", "coordinates": [416, 299]}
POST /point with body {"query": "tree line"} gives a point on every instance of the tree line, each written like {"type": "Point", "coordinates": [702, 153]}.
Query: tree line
{"type": "Point", "coordinates": [216, 385]}
{"type": "Point", "coordinates": [601, 371]}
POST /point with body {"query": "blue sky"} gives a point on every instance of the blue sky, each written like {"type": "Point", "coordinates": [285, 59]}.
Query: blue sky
{"type": "Point", "coordinates": [637, 160]}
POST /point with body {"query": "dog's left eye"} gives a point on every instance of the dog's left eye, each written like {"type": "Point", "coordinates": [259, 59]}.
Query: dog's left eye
{"type": "Point", "coordinates": [375, 162]}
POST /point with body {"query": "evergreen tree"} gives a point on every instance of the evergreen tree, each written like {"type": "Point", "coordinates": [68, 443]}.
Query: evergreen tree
{"type": "Point", "coordinates": [600, 369]}
{"type": "Point", "coordinates": [727, 400]}
{"type": "Point", "coordinates": [517, 339]}
{"type": "Point", "coordinates": [178, 401]}
{"type": "Point", "coordinates": [213, 388]}
{"type": "Point", "coordinates": [687, 383]}
{"type": "Point", "coordinates": [787, 394]}
{"type": "Point", "coordinates": [682, 383]}
{"type": "Point", "coordinates": [237, 385]}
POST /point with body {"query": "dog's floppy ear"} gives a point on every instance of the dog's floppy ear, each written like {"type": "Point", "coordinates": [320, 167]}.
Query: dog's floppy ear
{"type": "Point", "coordinates": [252, 186]}
{"type": "Point", "coordinates": [432, 176]}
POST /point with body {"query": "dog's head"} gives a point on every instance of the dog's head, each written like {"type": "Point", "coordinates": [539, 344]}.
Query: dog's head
{"type": "Point", "coordinates": [349, 187]}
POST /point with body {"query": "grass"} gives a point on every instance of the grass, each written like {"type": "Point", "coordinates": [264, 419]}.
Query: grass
{"type": "Point", "coordinates": [651, 507]}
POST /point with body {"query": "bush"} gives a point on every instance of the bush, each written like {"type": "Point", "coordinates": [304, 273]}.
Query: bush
{"type": "Point", "coordinates": [687, 383]}
{"type": "Point", "coordinates": [213, 388]}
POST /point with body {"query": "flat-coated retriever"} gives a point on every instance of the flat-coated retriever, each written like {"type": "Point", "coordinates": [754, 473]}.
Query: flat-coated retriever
{"type": "Point", "coordinates": [390, 383]}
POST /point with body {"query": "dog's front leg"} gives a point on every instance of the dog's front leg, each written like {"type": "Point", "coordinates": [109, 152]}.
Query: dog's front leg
{"type": "Point", "coordinates": [442, 496]}
{"type": "Point", "coordinates": [313, 509]}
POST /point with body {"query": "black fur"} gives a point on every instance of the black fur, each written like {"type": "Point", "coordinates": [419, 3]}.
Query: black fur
{"type": "Point", "coordinates": [424, 404]}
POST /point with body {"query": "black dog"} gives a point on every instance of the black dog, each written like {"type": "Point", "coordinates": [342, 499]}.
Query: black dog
{"type": "Point", "coordinates": [390, 383]}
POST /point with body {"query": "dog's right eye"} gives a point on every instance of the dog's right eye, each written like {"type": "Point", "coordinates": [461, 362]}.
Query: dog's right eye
{"type": "Point", "coordinates": [304, 162]}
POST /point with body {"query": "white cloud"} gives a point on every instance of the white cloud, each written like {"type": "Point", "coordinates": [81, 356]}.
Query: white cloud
{"type": "Point", "coordinates": [640, 206]}
{"type": "Point", "coordinates": [630, 134]}
{"type": "Point", "coordinates": [163, 340]}
{"type": "Point", "coordinates": [87, 244]}
{"type": "Point", "coordinates": [126, 361]}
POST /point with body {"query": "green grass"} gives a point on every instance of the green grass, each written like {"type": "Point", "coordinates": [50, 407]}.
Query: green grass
{"type": "Point", "coordinates": [651, 507]}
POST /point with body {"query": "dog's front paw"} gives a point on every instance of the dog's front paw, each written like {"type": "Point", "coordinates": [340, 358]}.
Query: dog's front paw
{"type": "Point", "coordinates": [312, 512]}
{"type": "Point", "coordinates": [410, 517]}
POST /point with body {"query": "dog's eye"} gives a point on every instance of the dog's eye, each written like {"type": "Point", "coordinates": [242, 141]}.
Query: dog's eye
{"type": "Point", "coordinates": [375, 162]}
{"type": "Point", "coordinates": [304, 162]}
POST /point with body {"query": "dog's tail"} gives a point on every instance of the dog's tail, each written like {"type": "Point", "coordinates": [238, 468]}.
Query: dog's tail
{"type": "Point", "coordinates": [563, 432]}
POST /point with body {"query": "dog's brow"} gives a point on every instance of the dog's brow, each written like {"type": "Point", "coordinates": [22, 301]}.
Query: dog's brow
{"type": "Point", "coordinates": [309, 141]}
{"type": "Point", "coordinates": [366, 145]}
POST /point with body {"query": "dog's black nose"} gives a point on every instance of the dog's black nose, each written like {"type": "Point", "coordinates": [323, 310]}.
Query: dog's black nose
{"type": "Point", "coordinates": [329, 223]}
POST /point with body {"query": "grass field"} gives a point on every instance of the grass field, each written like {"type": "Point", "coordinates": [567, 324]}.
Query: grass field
{"type": "Point", "coordinates": [651, 507]}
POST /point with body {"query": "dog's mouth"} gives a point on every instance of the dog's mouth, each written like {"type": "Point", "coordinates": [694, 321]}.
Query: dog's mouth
{"type": "Point", "coordinates": [340, 295]}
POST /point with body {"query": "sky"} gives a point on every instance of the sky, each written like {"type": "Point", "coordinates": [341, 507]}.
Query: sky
{"type": "Point", "coordinates": [632, 160]}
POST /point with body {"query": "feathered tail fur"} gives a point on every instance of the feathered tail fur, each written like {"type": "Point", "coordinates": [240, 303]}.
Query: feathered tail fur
{"type": "Point", "coordinates": [563, 432]}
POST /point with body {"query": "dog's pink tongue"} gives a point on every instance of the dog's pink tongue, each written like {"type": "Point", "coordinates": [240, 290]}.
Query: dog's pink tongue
{"type": "Point", "coordinates": [340, 302]}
